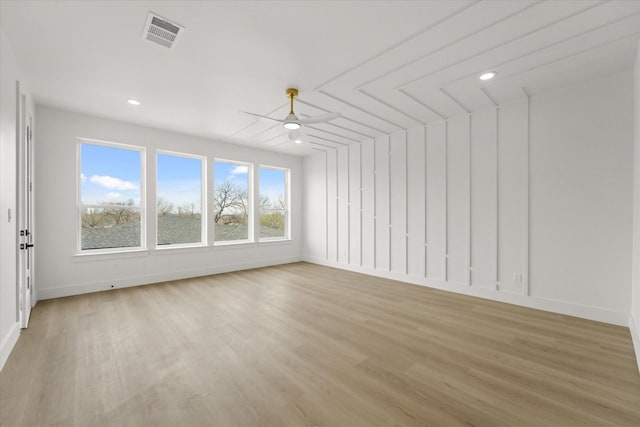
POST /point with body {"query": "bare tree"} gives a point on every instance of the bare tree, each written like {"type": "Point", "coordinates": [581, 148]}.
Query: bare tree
{"type": "Point", "coordinates": [92, 219]}
{"type": "Point", "coordinates": [227, 196]}
{"type": "Point", "coordinates": [264, 202]}
{"type": "Point", "coordinates": [120, 215]}
{"type": "Point", "coordinates": [243, 201]}
{"type": "Point", "coordinates": [281, 202]}
{"type": "Point", "coordinates": [164, 207]}
{"type": "Point", "coordinates": [188, 209]}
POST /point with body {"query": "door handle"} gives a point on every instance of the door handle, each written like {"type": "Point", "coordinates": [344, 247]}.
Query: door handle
{"type": "Point", "coordinates": [26, 246]}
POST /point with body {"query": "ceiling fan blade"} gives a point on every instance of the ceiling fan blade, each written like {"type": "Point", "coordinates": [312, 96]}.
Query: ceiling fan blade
{"type": "Point", "coordinates": [320, 119]}
{"type": "Point", "coordinates": [262, 117]}
{"type": "Point", "coordinates": [296, 136]}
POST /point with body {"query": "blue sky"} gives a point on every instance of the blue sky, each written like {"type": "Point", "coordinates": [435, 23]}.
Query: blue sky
{"type": "Point", "coordinates": [272, 183]}
{"type": "Point", "coordinates": [233, 172]}
{"type": "Point", "coordinates": [179, 180]}
{"type": "Point", "coordinates": [111, 175]}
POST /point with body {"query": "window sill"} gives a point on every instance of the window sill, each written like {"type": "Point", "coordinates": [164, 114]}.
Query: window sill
{"type": "Point", "coordinates": [276, 241]}
{"type": "Point", "coordinates": [99, 256]}
{"type": "Point", "coordinates": [233, 243]}
{"type": "Point", "coordinates": [173, 249]}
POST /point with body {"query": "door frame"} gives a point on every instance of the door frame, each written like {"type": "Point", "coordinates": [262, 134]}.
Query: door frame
{"type": "Point", "coordinates": [24, 212]}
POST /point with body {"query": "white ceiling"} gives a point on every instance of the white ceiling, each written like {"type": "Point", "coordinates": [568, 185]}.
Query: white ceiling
{"type": "Point", "coordinates": [385, 65]}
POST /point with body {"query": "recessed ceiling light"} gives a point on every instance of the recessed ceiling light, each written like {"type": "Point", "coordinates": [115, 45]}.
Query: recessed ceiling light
{"type": "Point", "coordinates": [488, 75]}
{"type": "Point", "coordinates": [297, 141]}
{"type": "Point", "coordinates": [133, 102]}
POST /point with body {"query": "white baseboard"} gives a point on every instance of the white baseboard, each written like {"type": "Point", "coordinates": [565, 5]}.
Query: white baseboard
{"type": "Point", "coordinates": [545, 304]}
{"type": "Point", "coordinates": [634, 328]}
{"type": "Point", "coordinates": [8, 343]}
{"type": "Point", "coordinates": [103, 285]}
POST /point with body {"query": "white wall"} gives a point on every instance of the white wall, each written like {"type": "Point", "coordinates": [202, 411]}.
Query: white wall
{"type": "Point", "coordinates": [10, 73]}
{"type": "Point", "coordinates": [61, 273]}
{"type": "Point", "coordinates": [581, 209]}
{"type": "Point", "coordinates": [635, 300]}
{"type": "Point", "coordinates": [527, 203]}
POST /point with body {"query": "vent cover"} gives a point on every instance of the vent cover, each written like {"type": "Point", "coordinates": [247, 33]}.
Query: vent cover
{"type": "Point", "coordinates": [161, 31]}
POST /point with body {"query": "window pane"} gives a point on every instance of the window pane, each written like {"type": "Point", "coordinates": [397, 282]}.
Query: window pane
{"type": "Point", "coordinates": [109, 197]}
{"type": "Point", "coordinates": [273, 203]}
{"type": "Point", "coordinates": [231, 196]}
{"type": "Point", "coordinates": [179, 200]}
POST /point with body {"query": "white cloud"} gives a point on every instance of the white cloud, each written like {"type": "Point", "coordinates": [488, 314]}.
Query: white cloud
{"type": "Point", "coordinates": [239, 170]}
{"type": "Point", "coordinates": [114, 196]}
{"type": "Point", "coordinates": [83, 177]}
{"type": "Point", "coordinates": [112, 183]}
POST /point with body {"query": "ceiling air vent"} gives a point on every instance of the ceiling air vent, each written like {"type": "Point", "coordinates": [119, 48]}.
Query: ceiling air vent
{"type": "Point", "coordinates": [161, 31]}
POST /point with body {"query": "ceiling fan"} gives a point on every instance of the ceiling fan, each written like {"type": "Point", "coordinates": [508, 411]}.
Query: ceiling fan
{"type": "Point", "coordinates": [293, 123]}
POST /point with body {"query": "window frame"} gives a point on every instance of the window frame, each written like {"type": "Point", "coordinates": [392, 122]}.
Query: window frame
{"type": "Point", "coordinates": [287, 211]}
{"type": "Point", "coordinates": [203, 198]}
{"type": "Point", "coordinates": [79, 205]}
{"type": "Point", "coordinates": [250, 204]}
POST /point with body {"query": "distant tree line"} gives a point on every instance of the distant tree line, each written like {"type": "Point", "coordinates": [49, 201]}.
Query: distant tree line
{"type": "Point", "coordinates": [231, 208]}
{"type": "Point", "coordinates": [111, 214]}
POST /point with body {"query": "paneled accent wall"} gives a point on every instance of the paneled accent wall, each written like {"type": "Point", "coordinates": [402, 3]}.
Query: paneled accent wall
{"type": "Point", "coordinates": [444, 205]}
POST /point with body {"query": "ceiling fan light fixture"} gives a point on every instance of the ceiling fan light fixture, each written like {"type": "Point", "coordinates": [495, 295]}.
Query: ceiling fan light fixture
{"type": "Point", "coordinates": [291, 122]}
{"type": "Point", "coordinates": [292, 125]}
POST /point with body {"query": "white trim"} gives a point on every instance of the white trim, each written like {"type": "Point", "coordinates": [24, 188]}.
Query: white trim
{"type": "Point", "coordinates": [204, 234]}
{"type": "Point", "coordinates": [389, 206]}
{"type": "Point", "coordinates": [103, 285]}
{"type": "Point", "coordinates": [337, 205]}
{"type": "Point", "coordinates": [211, 207]}
{"type": "Point", "coordinates": [425, 246]}
{"type": "Point", "coordinates": [496, 242]}
{"type": "Point", "coordinates": [273, 240]}
{"type": "Point", "coordinates": [326, 205]}
{"type": "Point", "coordinates": [287, 199]}
{"type": "Point", "coordinates": [445, 205]}
{"type": "Point", "coordinates": [8, 343]}
{"type": "Point", "coordinates": [406, 202]}
{"type": "Point", "coordinates": [143, 196]}
{"type": "Point", "coordinates": [375, 205]}
{"type": "Point", "coordinates": [101, 256]}
{"type": "Point", "coordinates": [179, 248]}
{"type": "Point", "coordinates": [469, 235]}
{"type": "Point", "coordinates": [360, 192]}
{"type": "Point", "coordinates": [545, 304]}
{"type": "Point", "coordinates": [634, 329]}
{"type": "Point", "coordinates": [232, 242]}
{"type": "Point", "coordinates": [348, 205]}
{"type": "Point", "coordinates": [525, 205]}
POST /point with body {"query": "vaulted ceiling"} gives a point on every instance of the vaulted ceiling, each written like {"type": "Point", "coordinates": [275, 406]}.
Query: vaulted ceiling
{"type": "Point", "coordinates": [385, 65]}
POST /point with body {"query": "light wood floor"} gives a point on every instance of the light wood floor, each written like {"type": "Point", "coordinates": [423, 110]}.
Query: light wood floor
{"type": "Point", "coordinates": [305, 345]}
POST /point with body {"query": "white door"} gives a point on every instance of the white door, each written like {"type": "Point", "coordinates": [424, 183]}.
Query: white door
{"type": "Point", "coordinates": [25, 209]}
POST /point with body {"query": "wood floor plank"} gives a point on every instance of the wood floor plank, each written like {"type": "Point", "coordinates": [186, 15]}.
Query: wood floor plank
{"type": "Point", "coordinates": [307, 345]}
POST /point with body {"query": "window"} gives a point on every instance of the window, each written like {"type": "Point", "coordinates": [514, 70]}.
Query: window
{"type": "Point", "coordinates": [274, 203]}
{"type": "Point", "coordinates": [179, 200]}
{"type": "Point", "coordinates": [232, 201]}
{"type": "Point", "coordinates": [111, 197]}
